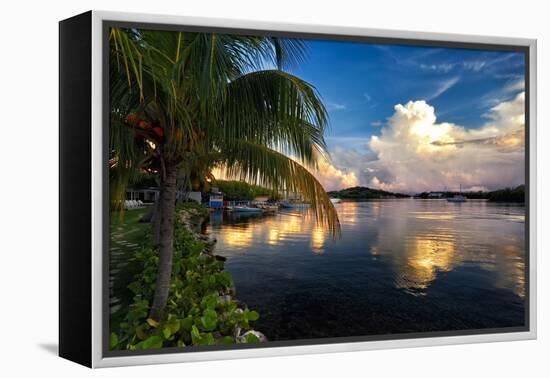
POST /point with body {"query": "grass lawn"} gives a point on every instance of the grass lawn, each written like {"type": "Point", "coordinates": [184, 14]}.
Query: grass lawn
{"type": "Point", "coordinates": [127, 236]}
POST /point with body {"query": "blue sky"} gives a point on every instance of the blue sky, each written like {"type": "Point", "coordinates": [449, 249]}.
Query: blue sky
{"type": "Point", "coordinates": [361, 83]}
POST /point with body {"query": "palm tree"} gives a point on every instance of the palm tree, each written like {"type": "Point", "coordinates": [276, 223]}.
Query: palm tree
{"type": "Point", "coordinates": [187, 102]}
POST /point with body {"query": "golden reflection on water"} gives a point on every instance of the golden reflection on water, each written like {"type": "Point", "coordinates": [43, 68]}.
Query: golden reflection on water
{"type": "Point", "coordinates": [376, 209]}
{"type": "Point", "coordinates": [291, 224]}
{"type": "Point", "coordinates": [347, 212]}
{"type": "Point", "coordinates": [425, 256]}
{"type": "Point", "coordinates": [419, 243]}
{"type": "Point", "coordinates": [428, 215]}
{"type": "Point", "coordinates": [318, 239]}
{"type": "Point", "coordinates": [273, 236]}
{"type": "Point", "coordinates": [272, 231]}
{"type": "Point", "coordinates": [240, 237]}
{"type": "Point", "coordinates": [440, 240]}
{"type": "Point", "coordinates": [515, 273]}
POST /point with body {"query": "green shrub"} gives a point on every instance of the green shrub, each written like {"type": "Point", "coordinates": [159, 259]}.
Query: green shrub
{"type": "Point", "coordinates": [240, 191]}
{"type": "Point", "coordinates": [200, 309]}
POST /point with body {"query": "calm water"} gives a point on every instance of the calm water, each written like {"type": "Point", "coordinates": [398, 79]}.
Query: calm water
{"type": "Point", "coordinates": [400, 266]}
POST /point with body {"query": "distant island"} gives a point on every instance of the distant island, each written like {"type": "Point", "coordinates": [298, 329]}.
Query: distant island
{"type": "Point", "coordinates": [516, 195]}
{"type": "Point", "coordinates": [363, 193]}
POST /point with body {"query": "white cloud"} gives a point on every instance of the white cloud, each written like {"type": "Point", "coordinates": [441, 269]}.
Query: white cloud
{"type": "Point", "coordinates": [487, 65]}
{"type": "Point", "coordinates": [367, 97]}
{"type": "Point", "coordinates": [445, 67]}
{"type": "Point", "coordinates": [333, 178]}
{"type": "Point", "coordinates": [417, 153]}
{"type": "Point", "coordinates": [496, 96]}
{"type": "Point", "coordinates": [475, 65]}
{"type": "Point", "coordinates": [413, 152]}
{"type": "Point", "coordinates": [443, 87]}
{"type": "Point", "coordinates": [514, 86]}
{"type": "Point", "coordinates": [441, 67]}
{"type": "Point", "coordinates": [336, 106]}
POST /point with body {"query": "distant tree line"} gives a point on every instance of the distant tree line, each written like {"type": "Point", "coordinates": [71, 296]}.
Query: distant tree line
{"type": "Point", "coordinates": [516, 194]}
{"type": "Point", "coordinates": [362, 192]}
{"type": "Point", "coordinates": [241, 191]}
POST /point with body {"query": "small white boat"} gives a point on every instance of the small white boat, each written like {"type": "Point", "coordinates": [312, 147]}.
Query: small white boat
{"type": "Point", "coordinates": [457, 199]}
{"type": "Point", "coordinates": [335, 200]}
{"type": "Point", "coordinates": [269, 208]}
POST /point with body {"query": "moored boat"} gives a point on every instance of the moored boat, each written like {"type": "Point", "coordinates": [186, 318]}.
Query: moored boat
{"type": "Point", "coordinates": [244, 209]}
{"type": "Point", "coordinates": [457, 199]}
{"type": "Point", "coordinates": [295, 205]}
{"type": "Point", "coordinates": [269, 208]}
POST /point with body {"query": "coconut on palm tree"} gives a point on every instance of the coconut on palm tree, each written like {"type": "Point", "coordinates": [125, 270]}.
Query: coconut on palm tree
{"type": "Point", "coordinates": [184, 103]}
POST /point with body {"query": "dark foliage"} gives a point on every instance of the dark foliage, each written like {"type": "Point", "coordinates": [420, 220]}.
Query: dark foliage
{"type": "Point", "coordinates": [361, 192]}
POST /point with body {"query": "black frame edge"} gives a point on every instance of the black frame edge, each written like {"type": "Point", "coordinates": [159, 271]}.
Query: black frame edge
{"type": "Point", "coordinates": [75, 194]}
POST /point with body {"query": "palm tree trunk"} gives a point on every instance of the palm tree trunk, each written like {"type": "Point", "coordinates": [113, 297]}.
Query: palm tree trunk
{"type": "Point", "coordinates": [167, 209]}
{"type": "Point", "coordinates": [155, 220]}
{"type": "Point", "coordinates": [153, 217]}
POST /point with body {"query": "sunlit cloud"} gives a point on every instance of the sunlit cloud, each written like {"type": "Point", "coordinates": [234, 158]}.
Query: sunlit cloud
{"type": "Point", "coordinates": [333, 178]}
{"type": "Point", "coordinates": [330, 177]}
{"type": "Point", "coordinates": [415, 152]}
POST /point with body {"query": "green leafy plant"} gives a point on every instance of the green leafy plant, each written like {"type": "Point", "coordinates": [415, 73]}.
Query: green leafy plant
{"type": "Point", "coordinates": [200, 310]}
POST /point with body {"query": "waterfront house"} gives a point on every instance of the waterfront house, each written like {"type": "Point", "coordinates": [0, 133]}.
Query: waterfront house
{"type": "Point", "coordinates": [215, 199]}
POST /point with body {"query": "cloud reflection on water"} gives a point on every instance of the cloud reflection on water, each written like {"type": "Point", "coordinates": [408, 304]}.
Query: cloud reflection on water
{"type": "Point", "coordinates": [419, 240]}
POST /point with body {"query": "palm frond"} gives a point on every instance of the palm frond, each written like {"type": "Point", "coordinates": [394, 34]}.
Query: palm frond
{"type": "Point", "coordinates": [287, 52]}
{"type": "Point", "coordinates": [215, 102]}
{"type": "Point", "coordinates": [276, 109]}
{"type": "Point", "coordinates": [261, 165]}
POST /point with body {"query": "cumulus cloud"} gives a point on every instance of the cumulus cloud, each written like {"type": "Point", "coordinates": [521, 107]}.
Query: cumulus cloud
{"type": "Point", "coordinates": [333, 178]}
{"type": "Point", "coordinates": [415, 152]}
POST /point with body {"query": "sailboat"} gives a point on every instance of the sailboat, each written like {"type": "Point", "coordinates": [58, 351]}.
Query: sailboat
{"type": "Point", "coordinates": [458, 198]}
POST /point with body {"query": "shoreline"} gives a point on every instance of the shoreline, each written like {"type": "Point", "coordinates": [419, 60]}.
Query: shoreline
{"type": "Point", "coordinates": [202, 308]}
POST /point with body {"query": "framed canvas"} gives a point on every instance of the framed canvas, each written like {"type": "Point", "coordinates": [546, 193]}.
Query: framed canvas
{"type": "Point", "coordinates": [236, 189]}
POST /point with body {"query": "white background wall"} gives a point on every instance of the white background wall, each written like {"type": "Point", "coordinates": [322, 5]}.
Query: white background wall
{"type": "Point", "coordinates": [28, 124]}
